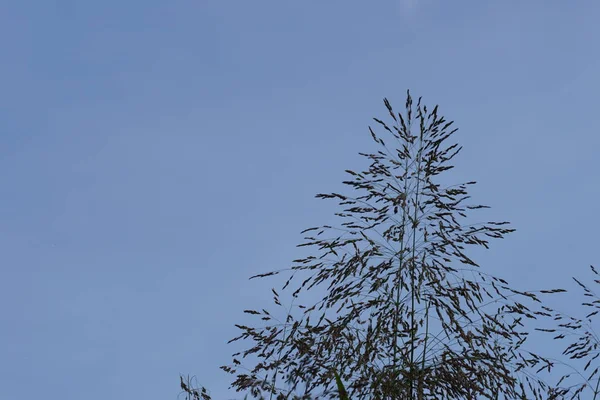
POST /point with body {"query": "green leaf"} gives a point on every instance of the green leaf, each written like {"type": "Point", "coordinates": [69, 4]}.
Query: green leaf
{"type": "Point", "coordinates": [341, 388]}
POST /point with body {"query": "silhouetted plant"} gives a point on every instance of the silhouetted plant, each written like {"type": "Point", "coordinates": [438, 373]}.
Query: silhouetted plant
{"type": "Point", "coordinates": [437, 327]}
{"type": "Point", "coordinates": [192, 393]}
{"type": "Point", "coordinates": [584, 347]}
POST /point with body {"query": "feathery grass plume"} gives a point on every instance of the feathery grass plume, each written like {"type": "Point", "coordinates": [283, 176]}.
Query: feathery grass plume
{"type": "Point", "coordinates": [192, 393]}
{"type": "Point", "coordinates": [414, 316]}
{"type": "Point", "coordinates": [584, 346]}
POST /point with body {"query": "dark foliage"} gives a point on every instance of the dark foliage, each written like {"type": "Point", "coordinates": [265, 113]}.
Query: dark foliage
{"type": "Point", "coordinates": [584, 346]}
{"type": "Point", "coordinates": [415, 316]}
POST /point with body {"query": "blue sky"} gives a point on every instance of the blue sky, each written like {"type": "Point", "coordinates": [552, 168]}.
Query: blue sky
{"type": "Point", "coordinates": [154, 155]}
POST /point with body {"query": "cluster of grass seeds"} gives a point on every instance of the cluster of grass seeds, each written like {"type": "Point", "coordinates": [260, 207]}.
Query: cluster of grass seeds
{"type": "Point", "coordinates": [584, 346]}
{"type": "Point", "coordinates": [192, 393]}
{"type": "Point", "coordinates": [415, 317]}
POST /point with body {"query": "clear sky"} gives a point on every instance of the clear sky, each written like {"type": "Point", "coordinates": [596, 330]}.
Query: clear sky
{"type": "Point", "coordinates": [156, 154]}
